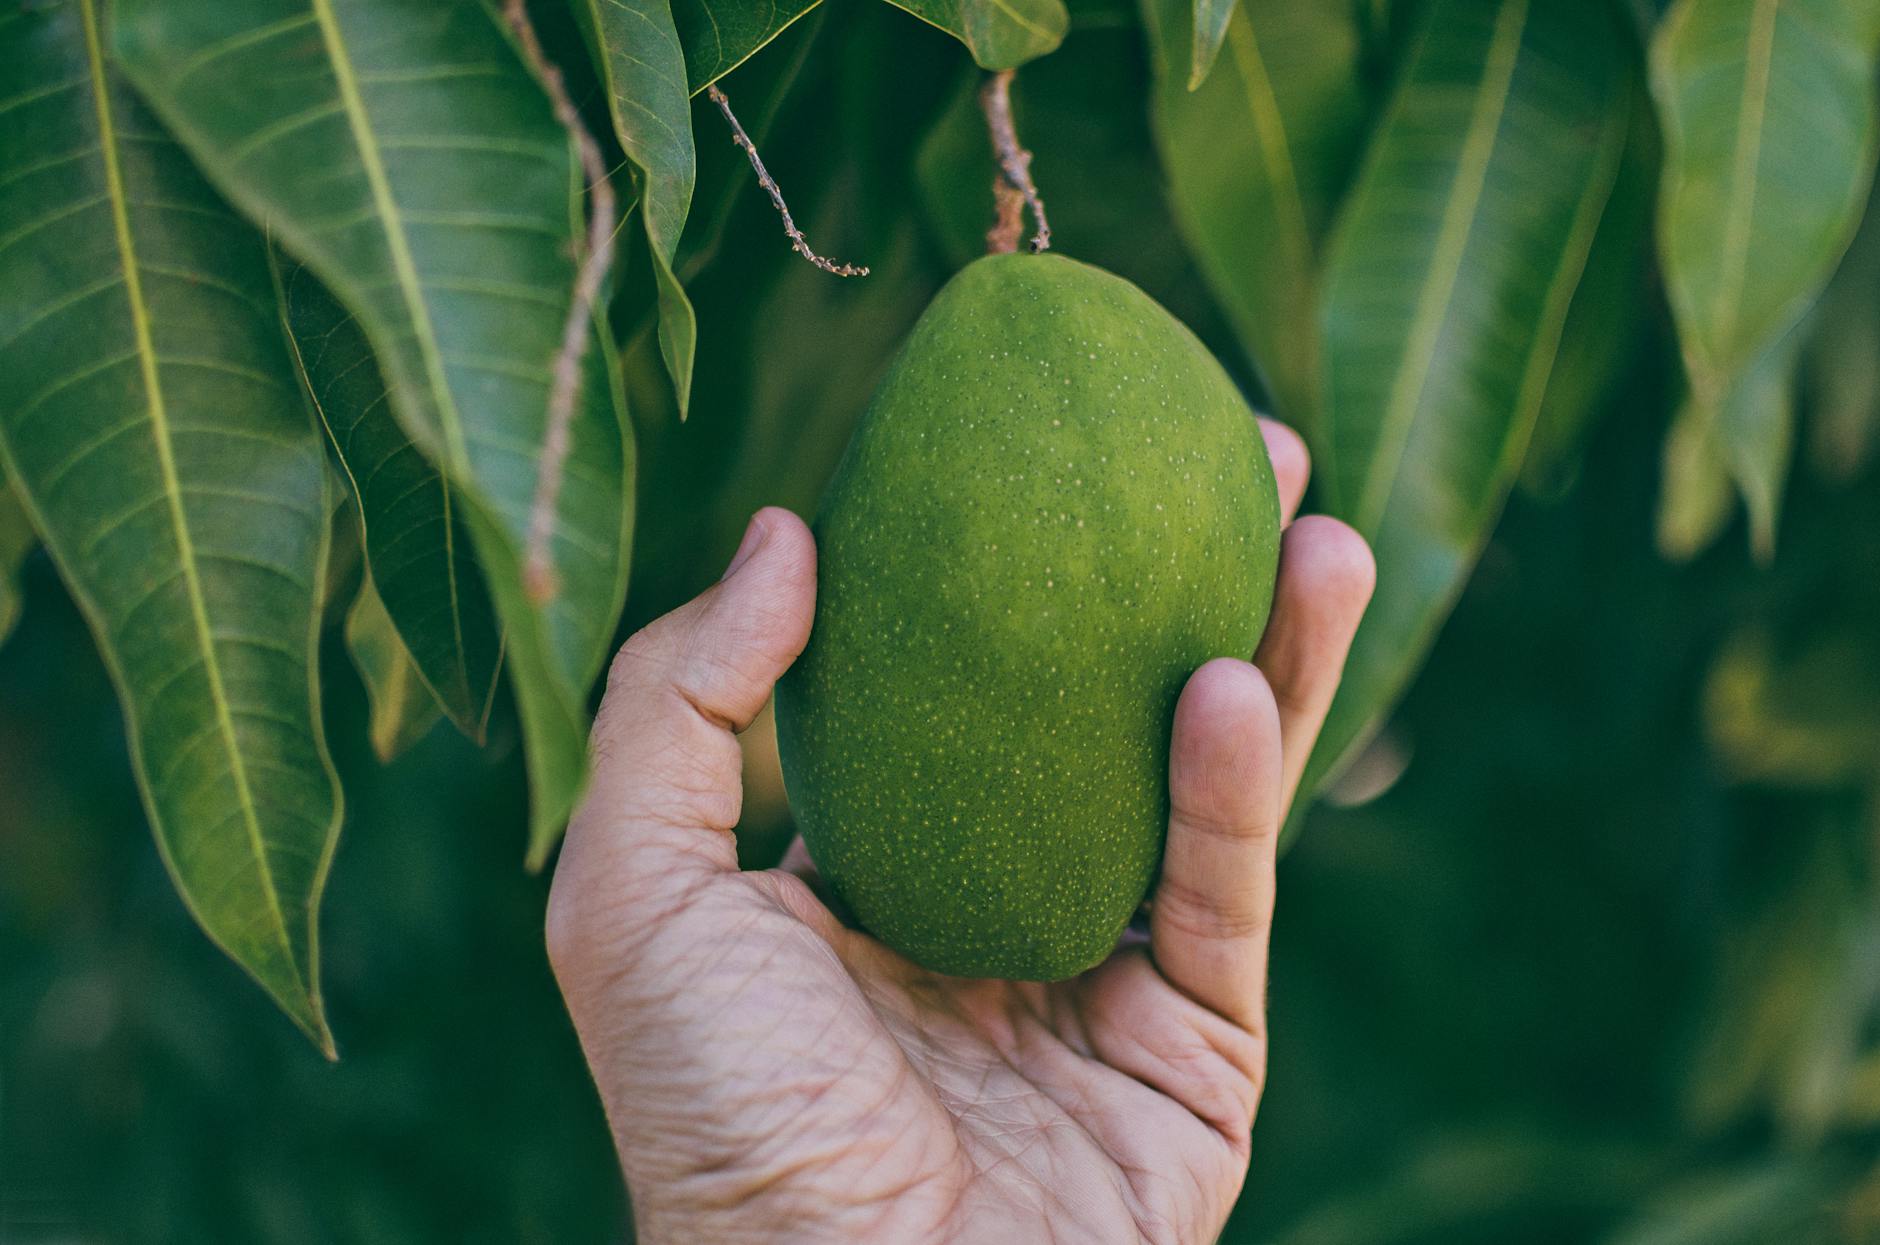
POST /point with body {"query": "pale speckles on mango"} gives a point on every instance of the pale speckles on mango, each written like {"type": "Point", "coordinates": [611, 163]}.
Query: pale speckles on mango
{"type": "Point", "coordinates": [1056, 507]}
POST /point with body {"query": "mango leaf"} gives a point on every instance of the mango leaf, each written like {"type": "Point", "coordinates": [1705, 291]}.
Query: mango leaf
{"type": "Point", "coordinates": [415, 542]}
{"type": "Point", "coordinates": [1256, 159]}
{"type": "Point", "coordinates": [1001, 34]}
{"type": "Point", "coordinates": [1695, 494]}
{"type": "Point", "coordinates": [1841, 362]}
{"type": "Point", "coordinates": [1768, 114]}
{"type": "Point", "coordinates": [644, 73]}
{"type": "Point", "coordinates": [403, 708]}
{"type": "Point", "coordinates": [1742, 444]}
{"type": "Point", "coordinates": [720, 35]}
{"type": "Point", "coordinates": [16, 541]}
{"type": "Point", "coordinates": [151, 426]}
{"type": "Point", "coordinates": [1609, 317]}
{"type": "Point", "coordinates": [401, 150]}
{"type": "Point", "coordinates": [1449, 278]}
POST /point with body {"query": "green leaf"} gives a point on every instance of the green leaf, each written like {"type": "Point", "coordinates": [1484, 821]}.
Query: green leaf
{"type": "Point", "coordinates": [415, 542]}
{"type": "Point", "coordinates": [720, 35]}
{"type": "Point", "coordinates": [1841, 362]}
{"type": "Point", "coordinates": [1256, 159]}
{"type": "Point", "coordinates": [401, 150]}
{"type": "Point", "coordinates": [1768, 113]}
{"type": "Point", "coordinates": [151, 425]}
{"type": "Point", "coordinates": [1747, 437]}
{"type": "Point", "coordinates": [1447, 285]}
{"type": "Point", "coordinates": [644, 73]}
{"type": "Point", "coordinates": [1609, 317]}
{"type": "Point", "coordinates": [1001, 34]}
{"type": "Point", "coordinates": [16, 541]}
{"type": "Point", "coordinates": [1694, 495]}
{"type": "Point", "coordinates": [403, 708]}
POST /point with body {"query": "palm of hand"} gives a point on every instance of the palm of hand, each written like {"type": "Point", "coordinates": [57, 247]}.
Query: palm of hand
{"type": "Point", "coordinates": [770, 1074]}
{"type": "Point", "coordinates": [857, 1097]}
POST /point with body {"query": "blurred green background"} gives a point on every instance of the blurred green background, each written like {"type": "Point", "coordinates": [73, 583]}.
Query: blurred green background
{"type": "Point", "coordinates": [1601, 963]}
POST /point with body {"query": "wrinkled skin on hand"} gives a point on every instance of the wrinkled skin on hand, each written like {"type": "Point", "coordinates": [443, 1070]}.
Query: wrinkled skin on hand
{"type": "Point", "coordinates": [771, 1075]}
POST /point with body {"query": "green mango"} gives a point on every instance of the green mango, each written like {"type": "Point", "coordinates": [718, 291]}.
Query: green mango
{"type": "Point", "coordinates": [1055, 508]}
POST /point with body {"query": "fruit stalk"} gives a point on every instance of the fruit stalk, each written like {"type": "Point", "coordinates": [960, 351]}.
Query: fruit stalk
{"type": "Point", "coordinates": [539, 577]}
{"type": "Point", "coordinates": [995, 100]}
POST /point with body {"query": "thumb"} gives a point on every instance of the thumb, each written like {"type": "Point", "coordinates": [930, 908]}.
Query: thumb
{"type": "Point", "coordinates": [666, 786]}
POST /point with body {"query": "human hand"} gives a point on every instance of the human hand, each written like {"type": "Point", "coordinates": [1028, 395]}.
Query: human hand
{"type": "Point", "coordinates": [771, 1075]}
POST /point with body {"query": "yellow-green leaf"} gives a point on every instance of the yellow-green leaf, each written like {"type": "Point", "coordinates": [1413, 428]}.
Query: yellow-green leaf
{"type": "Point", "coordinates": [1769, 121]}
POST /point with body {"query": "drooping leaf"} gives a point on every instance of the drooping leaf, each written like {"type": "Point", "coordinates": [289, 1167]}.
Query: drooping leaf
{"type": "Point", "coordinates": [16, 541]}
{"type": "Point", "coordinates": [1746, 439]}
{"type": "Point", "coordinates": [1768, 113]}
{"type": "Point", "coordinates": [1695, 496]}
{"type": "Point", "coordinates": [1841, 361]}
{"type": "Point", "coordinates": [151, 424]}
{"type": "Point", "coordinates": [1001, 34]}
{"type": "Point", "coordinates": [415, 542]}
{"type": "Point", "coordinates": [402, 151]}
{"type": "Point", "coordinates": [720, 35]}
{"type": "Point", "coordinates": [1447, 285]}
{"type": "Point", "coordinates": [644, 73]}
{"type": "Point", "coordinates": [1256, 159]}
{"type": "Point", "coordinates": [403, 708]}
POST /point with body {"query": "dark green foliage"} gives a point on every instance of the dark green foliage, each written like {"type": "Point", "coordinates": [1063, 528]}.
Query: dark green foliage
{"type": "Point", "coordinates": [1597, 968]}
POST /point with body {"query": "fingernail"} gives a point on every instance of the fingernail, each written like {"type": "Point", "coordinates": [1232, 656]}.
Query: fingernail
{"type": "Point", "coordinates": [754, 537]}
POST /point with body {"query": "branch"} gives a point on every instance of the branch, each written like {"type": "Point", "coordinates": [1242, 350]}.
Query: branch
{"type": "Point", "coordinates": [538, 572]}
{"type": "Point", "coordinates": [995, 99]}
{"type": "Point", "coordinates": [769, 184]}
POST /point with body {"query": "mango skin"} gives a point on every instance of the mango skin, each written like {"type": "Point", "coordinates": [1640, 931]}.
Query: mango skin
{"type": "Point", "coordinates": [1055, 508]}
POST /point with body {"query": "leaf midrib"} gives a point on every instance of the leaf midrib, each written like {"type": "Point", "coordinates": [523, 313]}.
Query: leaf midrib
{"type": "Point", "coordinates": [404, 268]}
{"type": "Point", "coordinates": [172, 486]}
{"type": "Point", "coordinates": [1452, 240]}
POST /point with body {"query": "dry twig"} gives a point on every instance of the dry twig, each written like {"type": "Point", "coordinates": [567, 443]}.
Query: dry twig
{"type": "Point", "coordinates": [769, 184]}
{"type": "Point", "coordinates": [995, 99]}
{"type": "Point", "coordinates": [538, 572]}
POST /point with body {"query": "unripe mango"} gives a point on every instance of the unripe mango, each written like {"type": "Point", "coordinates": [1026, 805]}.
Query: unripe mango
{"type": "Point", "coordinates": [1056, 507]}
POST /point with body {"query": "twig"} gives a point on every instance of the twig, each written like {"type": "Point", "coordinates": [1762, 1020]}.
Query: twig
{"type": "Point", "coordinates": [995, 99]}
{"type": "Point", "coordinates": [538, 572]}
{"type": "Point", "coordinates": [1008, 203]}
{"type": "Point", "coordinates": [769, 184]}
